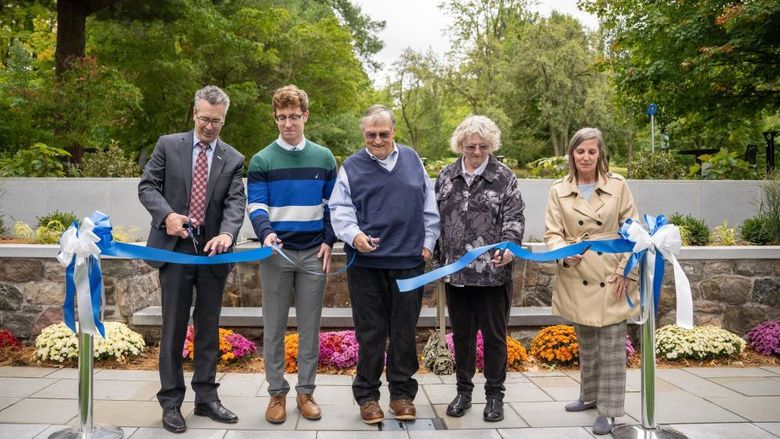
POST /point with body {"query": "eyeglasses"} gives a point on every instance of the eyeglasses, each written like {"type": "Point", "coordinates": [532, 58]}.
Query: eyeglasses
{"type": "Point", "coordinates": [382, 134]}
{"type": "Point", "coordinates": [204, 121]}
{"type": "Point", "coordinates": [481, 146]}
{"type": "Point", "coordinates": [284, 118]}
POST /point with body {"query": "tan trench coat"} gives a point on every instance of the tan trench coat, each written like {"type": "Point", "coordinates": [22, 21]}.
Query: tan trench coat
{"type": "Point", "coordinates": [581, 293]}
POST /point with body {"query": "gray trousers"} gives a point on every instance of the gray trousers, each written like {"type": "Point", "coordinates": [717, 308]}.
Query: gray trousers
{"type": "Point", "coordinates": [283, 284]}
{"type": "Point", "coordinates": [603, 367]}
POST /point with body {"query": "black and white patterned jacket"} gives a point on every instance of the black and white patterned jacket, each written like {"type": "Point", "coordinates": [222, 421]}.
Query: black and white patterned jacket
{"type": "Point", "coordinates": [488, 211]}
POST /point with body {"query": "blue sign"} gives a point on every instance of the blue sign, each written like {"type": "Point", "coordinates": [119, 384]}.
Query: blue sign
{"type": "Point", "coordinates": [651, 110]}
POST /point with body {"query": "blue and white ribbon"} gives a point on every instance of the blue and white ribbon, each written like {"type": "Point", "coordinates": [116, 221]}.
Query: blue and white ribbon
{"type": "Point", "coordinates": [657, 241]}
{"type": "Point", "coordinates": [80, 251]}
{"type": "Point", "coordinates": [661, 241]}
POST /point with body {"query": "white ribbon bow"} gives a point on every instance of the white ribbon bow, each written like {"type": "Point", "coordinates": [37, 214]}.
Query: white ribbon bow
{"type": "Point", "coordinates": [82, 244]}
{"type": "Point", "coordinates": [666, 241]}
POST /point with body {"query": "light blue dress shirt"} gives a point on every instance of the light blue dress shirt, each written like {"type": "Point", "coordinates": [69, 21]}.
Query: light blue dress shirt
{"type": "Point", "coordinates": [342, 211]}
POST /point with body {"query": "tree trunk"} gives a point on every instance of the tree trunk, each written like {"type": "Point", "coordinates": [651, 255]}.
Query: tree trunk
{"type": "Point", "coordinates": [71, 43]}
{"type": "Point", "coordinates": [71, 33]}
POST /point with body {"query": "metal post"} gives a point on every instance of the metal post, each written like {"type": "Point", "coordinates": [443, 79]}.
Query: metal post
{"type": "Point", "coordinates": [649, 428]}
{"type": "Point", "coordinates": [651, 110]}
{"type": "Point", "coordinates": [87, 430]}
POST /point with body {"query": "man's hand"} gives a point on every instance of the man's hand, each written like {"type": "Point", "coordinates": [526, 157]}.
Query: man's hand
{"type": "Point", "coordinates": [272, 239]}
{"type": "Point", "coordinates": [364, 244]}
{"type": "Point", "coordinates": [325, 253]}
{"type": "Point", "coordinates": [174, 225]}
{"type": "Point", "coordinates": [218, 244]}
{"type": "Point", "coordinates": [500, 259]}
{"type": "Point", "coordinates": [426, 254]}
{"type": "Point", "coordinates": [621, 285]}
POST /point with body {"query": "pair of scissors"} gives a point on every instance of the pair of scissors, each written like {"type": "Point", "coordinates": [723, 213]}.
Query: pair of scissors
{"type": "Point", "coordinates": [190, 227]}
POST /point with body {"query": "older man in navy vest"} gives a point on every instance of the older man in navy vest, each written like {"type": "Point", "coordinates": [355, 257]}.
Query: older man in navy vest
{"type": "Point", "coordinates": [384, 209]}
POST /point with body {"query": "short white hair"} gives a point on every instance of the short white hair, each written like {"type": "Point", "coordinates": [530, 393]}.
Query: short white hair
{"type": "Point", "coordinates": [479, 125]}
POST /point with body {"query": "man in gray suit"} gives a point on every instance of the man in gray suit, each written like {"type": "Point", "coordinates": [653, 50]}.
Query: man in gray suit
{"type": "Point", "coordinates": [192, 187]}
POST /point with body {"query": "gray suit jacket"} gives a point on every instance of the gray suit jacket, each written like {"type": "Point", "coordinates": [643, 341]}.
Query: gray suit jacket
{"type": "Point", "coordinates": [167, 181]}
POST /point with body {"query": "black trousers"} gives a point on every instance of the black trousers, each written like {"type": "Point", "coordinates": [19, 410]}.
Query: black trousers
{"type": "Point", "coordinates": [177, 282]}
{"type": "Point", "coordinates": [380, 312]}
{"type": "Point", "coordinates": [474, 308]}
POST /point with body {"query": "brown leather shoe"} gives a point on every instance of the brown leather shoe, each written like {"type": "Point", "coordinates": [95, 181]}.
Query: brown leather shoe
{"type": "Point", "coordinates": [309, 409]}
{"type": "Point", "coordinates": [371, 413]}
{"type": "Point", "coordinates": [403, 409]}
{"type": "Point", "coordinates": [276, 413]}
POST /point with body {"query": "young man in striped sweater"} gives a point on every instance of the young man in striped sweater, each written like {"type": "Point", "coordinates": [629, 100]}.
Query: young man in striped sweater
{"type": "Point", "coordinates": [290, 182]}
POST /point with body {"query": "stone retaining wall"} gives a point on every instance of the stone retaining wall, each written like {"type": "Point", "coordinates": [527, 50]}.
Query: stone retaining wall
{"type": "Point", "coordinates": [732, 293]}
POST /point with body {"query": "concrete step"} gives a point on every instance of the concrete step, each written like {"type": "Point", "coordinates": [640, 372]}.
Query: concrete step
{"type": "Point", "coordinates": [342, 317]}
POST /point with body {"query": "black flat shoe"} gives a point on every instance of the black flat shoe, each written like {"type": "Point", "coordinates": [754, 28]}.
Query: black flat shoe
{"type": "Point", "coordinates": [173, 421]}
{"type": "Point", "coordinates": [459, 405]}
{"type": "Point", "coordinates": [216, 411]}
{"type": "Point", "coordinates": [494, 410]}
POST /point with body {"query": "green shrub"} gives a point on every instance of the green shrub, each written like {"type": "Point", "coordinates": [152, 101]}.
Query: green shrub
{"type": "Point", "coordinates": [39, 160]}
{"type": "Point", "coordinates": [111, 162]}
{"type": "Point", "coordinates": [658, 166]}
{"type": "Point", "coordinates": [756, 230]}
{"type": "Point", "coordinates": [57, 219]}
{"type": "Point", "coordinates": [549, 167]}
{"type": "Point", "coordinates": [693, 231]}
{"type": "Point", "coordinates": [723, 165]}
{"type": "Point", "coordinates": [700, 343]}
{"type": "Point", "coordinates": [3, 230]}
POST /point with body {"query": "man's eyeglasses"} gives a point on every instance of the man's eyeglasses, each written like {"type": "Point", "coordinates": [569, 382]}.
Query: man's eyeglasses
{"type": "Point", "coordinates": [214, 122]}
{"type": "Point", "coordinates": [384, 135]}
{"type": "Point", "coordinates": [284, 118]}
{"type": "Point", "coordinates": [481, 146]}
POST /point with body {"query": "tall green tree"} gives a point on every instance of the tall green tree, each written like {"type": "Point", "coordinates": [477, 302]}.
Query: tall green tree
{"type": "Point", "coordinates": [704, 62]}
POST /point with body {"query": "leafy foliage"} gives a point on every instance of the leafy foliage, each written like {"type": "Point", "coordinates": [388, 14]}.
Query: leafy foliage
{"type": "Point", "coordinates": [110, 162]}
{"type": "Point", "coordinates": [693, 231]}
{"type": "Point", "coordinates": [655, 166]}
{"type": "Point", "coordinates": [700, 343]}
{"type": "Point", "coordinates": [550, 167]}
{"type": "Point", "coordinates": [756, 230]}
{"type": "Point", "coordinates": [57, 219]}
{"type": "Point", "coordinates": [723, 165]}
{"type": "Point", "coordinates": [39, 160]}
{"type": "Point", "coordinates": [724, 235]}
{"type": "Point", "coordinates": [705, 63]}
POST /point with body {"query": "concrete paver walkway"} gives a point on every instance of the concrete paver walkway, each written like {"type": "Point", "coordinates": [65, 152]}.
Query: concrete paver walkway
{"type": "Point", "coordinates": [707, 403]}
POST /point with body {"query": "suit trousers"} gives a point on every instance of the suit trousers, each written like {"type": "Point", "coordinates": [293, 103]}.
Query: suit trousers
{"type": "Point", "coordinates": [283, 283]}
{"type": "Point", "coordinates": [381, 312]}
{"type": "Point", "coordinates": [177, 282]}
{"type": "Point", "coordinates": [473, 308]}
{"type": "Point", "coordinates": [603, 367]}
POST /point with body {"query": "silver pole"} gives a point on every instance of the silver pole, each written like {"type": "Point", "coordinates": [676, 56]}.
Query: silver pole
{"type": "Point", "coordinates": [649, 428]}
{"type": "Point", "coordinates": [652, 133]}
{"type": "Point", "coordinates": [87, 430]}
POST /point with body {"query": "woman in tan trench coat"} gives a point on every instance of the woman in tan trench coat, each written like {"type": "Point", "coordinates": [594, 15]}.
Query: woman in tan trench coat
{"type": "Point", "coordinates": [591, 203]}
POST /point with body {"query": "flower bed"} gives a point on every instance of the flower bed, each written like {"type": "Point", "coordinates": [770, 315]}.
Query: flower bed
{"type": "Point", "coordinates": [700, 343]}
{"type": "Point", "coordinates": [58, 343]}
{"type": "Point", "coordinates": [232, 346]}
{"type": "Point", "coordinates": [765, 338]}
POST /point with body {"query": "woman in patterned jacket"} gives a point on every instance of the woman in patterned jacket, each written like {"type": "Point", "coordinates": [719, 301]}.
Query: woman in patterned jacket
{"type": "Point", "coordinates": [479, 203]}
